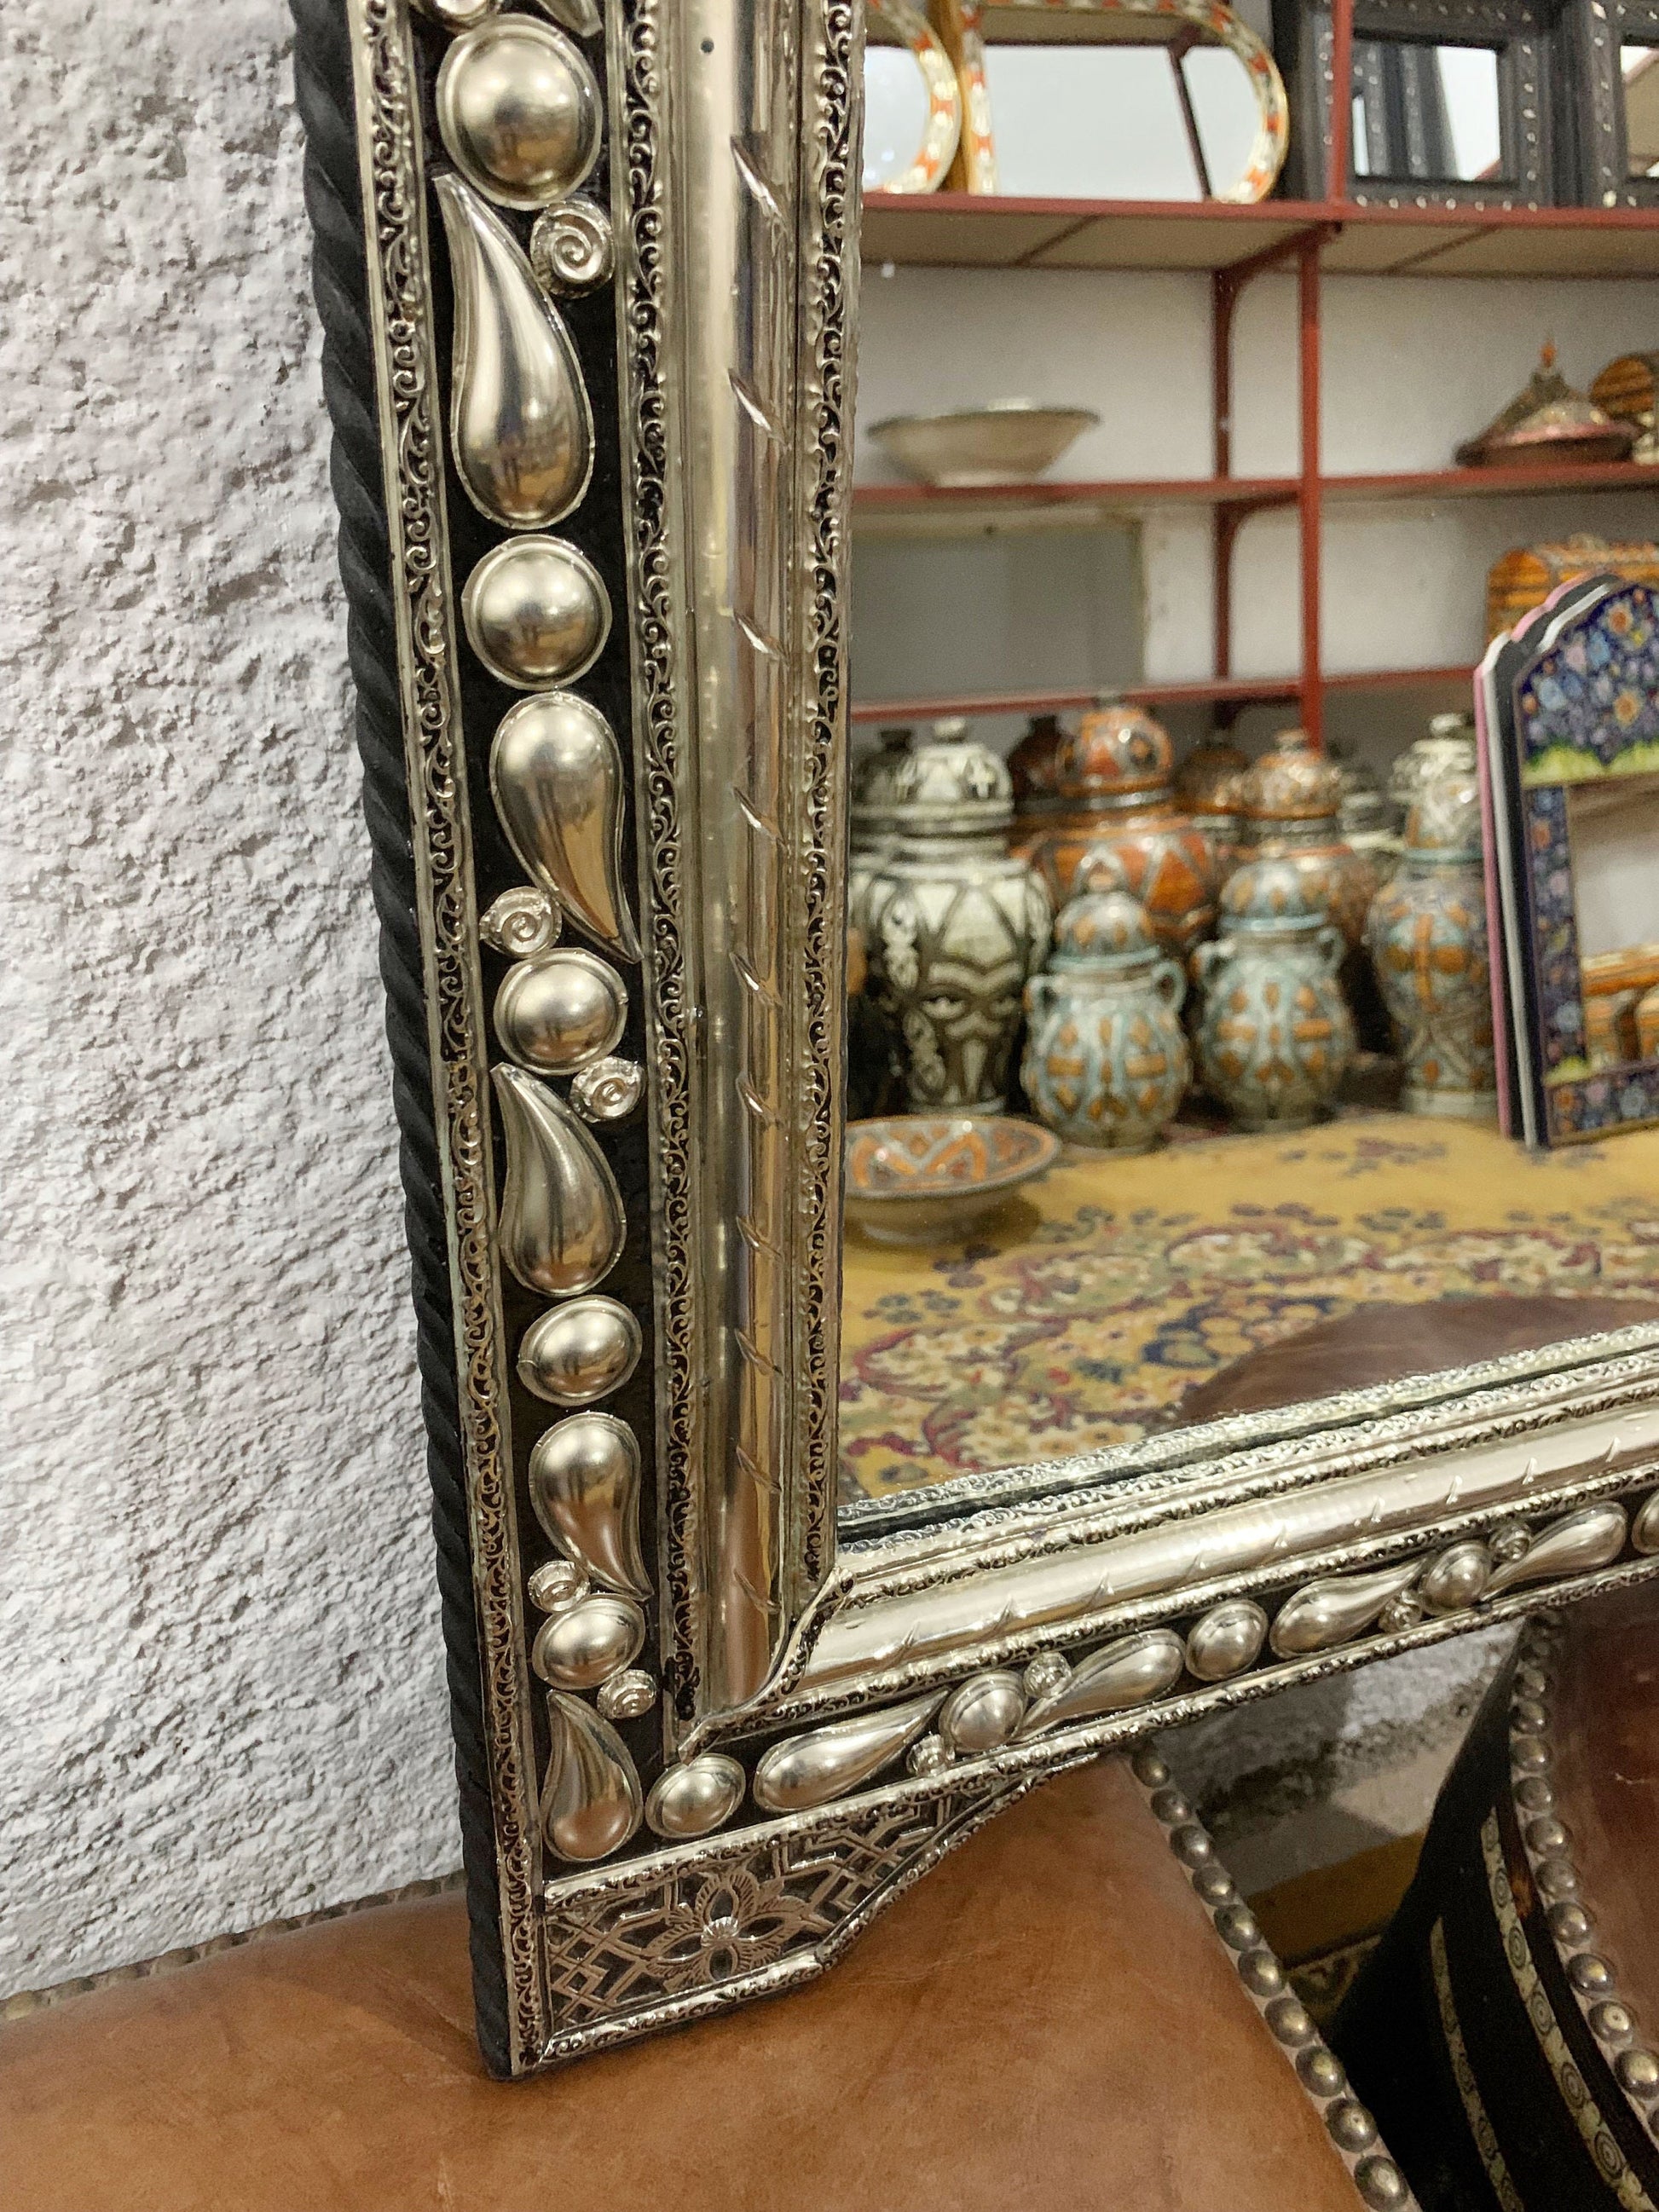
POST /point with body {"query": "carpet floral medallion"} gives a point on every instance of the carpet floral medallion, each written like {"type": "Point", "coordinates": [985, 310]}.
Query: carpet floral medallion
{"type": "Point", "coordinates": [1083, 1313]}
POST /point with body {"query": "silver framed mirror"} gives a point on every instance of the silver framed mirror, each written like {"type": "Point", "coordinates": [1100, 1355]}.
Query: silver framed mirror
{"type": "Point", "coordinates": [594, 522]}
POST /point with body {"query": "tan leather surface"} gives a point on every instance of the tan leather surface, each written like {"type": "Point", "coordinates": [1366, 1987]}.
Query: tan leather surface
{"type": "Point", "coordinates": [1047, 2021]}
{"type": "Point", "coordinates": [1390, 1344]}
{"type": "Point", "coordinates": [1605, 1731]}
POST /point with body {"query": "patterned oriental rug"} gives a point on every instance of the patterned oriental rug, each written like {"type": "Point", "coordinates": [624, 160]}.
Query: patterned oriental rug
{"type": "Point", "coordinates": [1084, 1314]}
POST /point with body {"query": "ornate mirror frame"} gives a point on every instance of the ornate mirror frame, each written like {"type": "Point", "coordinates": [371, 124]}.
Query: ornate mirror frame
{"type": "Point", "coordinates": [701, 1742]}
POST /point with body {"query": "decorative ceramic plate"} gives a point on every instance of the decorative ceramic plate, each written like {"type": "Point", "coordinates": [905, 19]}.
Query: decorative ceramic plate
{"type": "Point", "coordinates": [927, 1178]}
{"type": "Point", "coordinates": [1008, 443]}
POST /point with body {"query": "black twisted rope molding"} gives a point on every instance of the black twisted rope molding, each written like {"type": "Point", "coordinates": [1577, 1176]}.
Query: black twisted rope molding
{"type": "Point", "coordinates": [323, 86]}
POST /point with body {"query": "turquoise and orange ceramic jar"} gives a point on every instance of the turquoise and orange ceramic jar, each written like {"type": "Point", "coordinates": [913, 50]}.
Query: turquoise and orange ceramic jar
{"type": "Point", "coordinates": [1106, 1061]}
{"type": "Point", "coordinates": [1115, 780]}
{"type": "Point", "coordinates": [1276, 1036]}
{"type": "Point", "coordinates": [1427, 936]}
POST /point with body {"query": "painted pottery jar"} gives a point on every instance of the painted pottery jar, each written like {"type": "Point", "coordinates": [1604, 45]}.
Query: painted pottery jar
{"type": "Point", "coordinates": [1208, 786]}
{"type": "Point", "coordinates": [1292, 799]}
{"type": "Point", "coordinates": [1428, 943]}
{"type": "Point", "coordinates": [1275, 1035]}
{"type": "Point", "coordinates": [1116, 783]}
{"type": "Point", "coordinates": [1446, 750]}
{"type": "Point", "coordinates": [872, 834]}
{"type": "Point", "coordinates": [1106, 1061]}
{"type": "Point", "coordinates": [1034, 765]}
{"type": "Point", "coordinates": [956, 923]}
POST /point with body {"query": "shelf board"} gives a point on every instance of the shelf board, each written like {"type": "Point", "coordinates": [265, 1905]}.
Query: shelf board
{"type": "Point", "coordinates": [1531, 476]}
{"type": "Point", "coordinates": [1237, 690]}
{"type": "Point", "coordinates": [903, 510]}
{"type": "Point", "coordinates": [934, 510]}
{"type": "Point", "coordinates": [968, 230]}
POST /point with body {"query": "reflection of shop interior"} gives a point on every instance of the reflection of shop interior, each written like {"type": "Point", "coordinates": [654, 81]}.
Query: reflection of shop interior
{"type": "Point", "coordinates": [1093, 671]}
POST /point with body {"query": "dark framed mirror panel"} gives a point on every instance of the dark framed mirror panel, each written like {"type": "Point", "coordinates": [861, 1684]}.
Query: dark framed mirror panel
{"type": "Point", "coordinates": [1454, 103]}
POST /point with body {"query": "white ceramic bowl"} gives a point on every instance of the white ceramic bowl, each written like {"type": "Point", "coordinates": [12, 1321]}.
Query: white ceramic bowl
{"type": "Point", "coordinates": [1009, 443]}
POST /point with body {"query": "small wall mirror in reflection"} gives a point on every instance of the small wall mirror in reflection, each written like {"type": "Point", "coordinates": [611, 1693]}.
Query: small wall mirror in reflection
{"type": "Point", "coordinates": [1427, 112]}
{"type": "Point", "coordinates": [1639, 67]}
{"type": "Point", "coordinates": [1114, 100]}
{"type": "Point", "coordinates": [912, 102]}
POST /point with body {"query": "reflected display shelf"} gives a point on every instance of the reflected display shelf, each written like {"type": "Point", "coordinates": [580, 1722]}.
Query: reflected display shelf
{"type": "Point", "coordinates": [906, 510]}
{"type": "Point", "coordinates": [1238, 690]}
{"type": "Point", "coordinates": [969, 230]}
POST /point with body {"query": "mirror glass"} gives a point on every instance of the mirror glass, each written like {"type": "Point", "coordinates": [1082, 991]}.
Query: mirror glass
{"type": "Point", "coordinates": [895, 106]}
{"type": "Point", "coordinates": [1115, 106]}
{"type": "Point", "coordinates": [1427, 112]}
{"type": "Point", "coordinates": [1640, 69]}
{"type": "Point", "coordinates": [1145, 1125]}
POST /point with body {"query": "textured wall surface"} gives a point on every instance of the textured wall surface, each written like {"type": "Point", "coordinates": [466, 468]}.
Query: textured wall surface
{"type": "Point", "coordinates": [221, 1698]}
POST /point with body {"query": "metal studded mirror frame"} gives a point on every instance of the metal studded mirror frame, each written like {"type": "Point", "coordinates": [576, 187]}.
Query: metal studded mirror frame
{"type": "Point", "coordinates": [1598, 29]}
{"type": "Point", "coordinates": [587, 284]}
{"type": "Point", "coordinates": [1530, 38]}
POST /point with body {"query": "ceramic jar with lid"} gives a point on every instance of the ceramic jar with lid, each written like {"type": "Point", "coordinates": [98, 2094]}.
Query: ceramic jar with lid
{"type": "Point", "coordinates": [1446, 750]}
{"type": "Point", "coordinates": [1106, 1061]}
{"type": "Point", "coordinates": [1292, 804]}
{"type": "Point", "coordinates": [1208, 786]}
{"type": "Point", "coordinates": [872, 834]}
{"type": "Point", "coordinates": [1275, 1036]}
{"type": "Point", "coordinates": [956, 923]}
{"type": "Point", "coordinates": [1427, 936]}
{"type": "Point", "coordinates": [1117, 784]}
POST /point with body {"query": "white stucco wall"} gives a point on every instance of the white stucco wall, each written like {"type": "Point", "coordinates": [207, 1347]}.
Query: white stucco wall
{"type": "Point", "coordinates": [221, 1695]}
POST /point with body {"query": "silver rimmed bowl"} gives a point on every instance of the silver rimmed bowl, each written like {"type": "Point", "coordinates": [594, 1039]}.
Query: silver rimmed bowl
{"type": "Point", "coordinates": [1009, 442]}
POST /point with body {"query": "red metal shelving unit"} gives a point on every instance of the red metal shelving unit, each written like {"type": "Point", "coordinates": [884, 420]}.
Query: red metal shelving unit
{"type": "Point", "coordinates": [1235, 244]}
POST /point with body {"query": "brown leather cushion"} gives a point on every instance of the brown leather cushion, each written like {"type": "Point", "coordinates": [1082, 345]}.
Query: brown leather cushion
{"type": "Point", "coordinates": [1392, 1344]}
{"type": "Point", "coordinates": [1046, 2019]}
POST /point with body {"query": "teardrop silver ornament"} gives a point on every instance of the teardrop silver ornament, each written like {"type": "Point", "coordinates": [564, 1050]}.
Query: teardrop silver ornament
{"type": "Point", "coordinates": [804, 1770]}
{"type": "Point", "coordinates": [1592, 1537]}
{"type": "Point", "coordinates": [1328, 1613]}
{"type": "Point", "coordinates": [581, 16]}
{"type": "Point", "coordinates": [694, 1799]}
{"type": "Point", "coordinates": [560, 1013]}
{"type": "Point", "coordinates": [583, 1644]}
{"type": "Point", "coordinates": [1645, 1530]}
{"type": "Point", "coordinates": [1111, 1680]}
{"type": "Point", "coordinates": [562, 1227]}
{"type": "Point", "coordinates": [519, 112]}
{"type": "Point", "coordinates": [585, 1487]}
{"type": "Point", "coordinates": [591, 1801]}
{"type": "Point", "coordinates": [537, 612]}
{"type": "Point", "coordinates": [579, 1351]}
{"type": "Point", "coordinates": [556, 775]}
{"type": "Point", "coordinates": [521, 431]}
